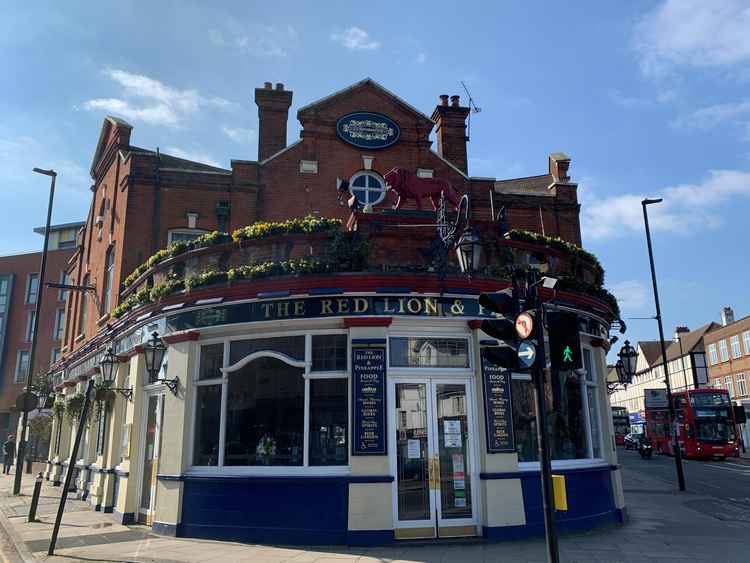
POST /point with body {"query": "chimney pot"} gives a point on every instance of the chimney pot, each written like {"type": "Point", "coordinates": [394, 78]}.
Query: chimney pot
{"type": "Point", "coordinates": [268, 86]}
{"type": "Point", "coordinates": [443, 99]}
{"type": "Point", "coordinates": [280, 86]}
{"type": "Point", "coordinates": [455, 100]}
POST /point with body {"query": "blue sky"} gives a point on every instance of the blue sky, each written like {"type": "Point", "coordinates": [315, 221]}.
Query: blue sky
{"type": "Point", "coordinates": [649, 98]}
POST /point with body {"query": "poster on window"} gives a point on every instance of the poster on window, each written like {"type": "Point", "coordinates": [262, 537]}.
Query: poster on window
{"type": "Point", "coordinates": [498, 411]}
{"type": "Point", "coordinates": [368, 401]}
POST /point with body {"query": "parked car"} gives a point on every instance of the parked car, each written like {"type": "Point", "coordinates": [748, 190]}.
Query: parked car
{"type": "Point", "coordinates": [632, 440]}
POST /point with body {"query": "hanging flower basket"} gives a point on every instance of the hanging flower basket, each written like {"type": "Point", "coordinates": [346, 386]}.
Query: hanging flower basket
{"type": "Point", "coordinates": [74, 406]}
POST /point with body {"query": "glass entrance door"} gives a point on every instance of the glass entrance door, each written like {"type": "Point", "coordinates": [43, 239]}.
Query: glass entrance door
{"type": "Point", "coordinates": [152, 446]}
{"type": "Point", "coordinates": [432, 452]}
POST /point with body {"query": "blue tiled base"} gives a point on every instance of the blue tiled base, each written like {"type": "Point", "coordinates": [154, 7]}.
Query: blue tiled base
{"type": "Point", "coordinates": [369, 537]}
{"type": "Point", "coordinates": [282, 536]}
{"type": "Point", "coordinates": [124, 518]}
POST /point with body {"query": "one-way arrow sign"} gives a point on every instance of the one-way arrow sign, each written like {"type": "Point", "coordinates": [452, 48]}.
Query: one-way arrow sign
{"type": "Point", "coordinates": [526, 354]}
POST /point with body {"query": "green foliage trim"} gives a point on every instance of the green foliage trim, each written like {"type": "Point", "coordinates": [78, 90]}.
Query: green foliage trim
{"type": "Point", "coordinates": [74, 406]}
{"type": "Point", "coordinates": [560, 244]}
{"type": "Point", "coordinates": [58, 408]}
{"type": "Point", "coordinates": [308, 224]}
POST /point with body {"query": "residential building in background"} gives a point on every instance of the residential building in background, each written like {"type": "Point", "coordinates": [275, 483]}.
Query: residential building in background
{"type": "Point", "coordinates": [686, 361]}
{"type": "Point", "coordinates": [728, 355]}
{"type": "Point", "coordinates": [19, 290]}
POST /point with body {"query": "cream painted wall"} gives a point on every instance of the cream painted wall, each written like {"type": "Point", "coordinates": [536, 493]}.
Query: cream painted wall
{"type": "Point", "coordinates": [370, 506]}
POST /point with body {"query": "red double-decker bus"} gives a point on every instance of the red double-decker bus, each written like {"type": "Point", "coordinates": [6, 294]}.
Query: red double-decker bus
{"type": "Point", "coordinates": [621, 424]}
{"type": "Point", "coordinates": [704, 422]}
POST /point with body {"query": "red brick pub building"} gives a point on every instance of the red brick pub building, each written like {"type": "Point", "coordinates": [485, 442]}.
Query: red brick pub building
{"type": "Point", "coordinates": [328, 386]}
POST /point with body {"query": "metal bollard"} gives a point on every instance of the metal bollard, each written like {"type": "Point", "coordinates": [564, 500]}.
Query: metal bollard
{"type": "Point", "coordinates": [29, 468]}
{"type": "Point", "coordinates": [35, 498]}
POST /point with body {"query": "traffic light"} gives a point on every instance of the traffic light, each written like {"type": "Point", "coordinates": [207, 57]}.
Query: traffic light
{"type": "Point", "coordinates": [564, 341]}
{"type": "Point", "coordinates": [504, 304]}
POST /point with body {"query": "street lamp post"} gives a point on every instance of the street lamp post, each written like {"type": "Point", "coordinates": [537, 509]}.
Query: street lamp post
{"type": "Point", "coordinates": [677, 451]}
{"type": "Point", "coordinates": [35, 331]}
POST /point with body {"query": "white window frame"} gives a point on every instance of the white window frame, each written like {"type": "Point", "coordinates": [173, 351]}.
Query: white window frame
{"type": "Point", "coordinates": [741, 385]}
{"type": "Point", "coordinates": [18, 377]}
{"type": "Point", "coordinates": [109, 278]}
{"type": "Point", "coordinates": [409, 333]}
{"type": "Point", "coordinates": [367, 188]}
{"type": "Point", "coordinates": [746, 341]}
{"type": "Point", "coordinates": [54, 355]}
{"type": "Point", "coordinates": [734, 343]}
{"type": "Point", "coordinates": [729, 385]}
{"type": "Point", "coordinates": [308, 375]}
{"type": "Point", "coordinates": [585, 384]}
{"type": "Point", "coordinates": [713, 356]}
{"type": "Point", "coordinates": [29, 333]}
{"type": "Point", "coordinates": [723, 350]}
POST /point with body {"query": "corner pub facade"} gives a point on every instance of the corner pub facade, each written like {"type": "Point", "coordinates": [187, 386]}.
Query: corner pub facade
{"type": "Point", "coordinates": [328, 383]}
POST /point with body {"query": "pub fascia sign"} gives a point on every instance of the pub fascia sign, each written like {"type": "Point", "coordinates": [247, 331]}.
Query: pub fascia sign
{"type": "Point", "coordinates": [368, 130]}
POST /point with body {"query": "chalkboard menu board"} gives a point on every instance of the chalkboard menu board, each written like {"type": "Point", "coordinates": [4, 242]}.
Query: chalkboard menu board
{"type": "Point", "coordinates": [368, 401]}
{"type": "Point", "coordinates": [498, 408]}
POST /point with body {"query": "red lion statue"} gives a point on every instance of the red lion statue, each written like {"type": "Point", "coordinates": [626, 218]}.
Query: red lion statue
{"type": "Point", "coordinates": [408, 185]}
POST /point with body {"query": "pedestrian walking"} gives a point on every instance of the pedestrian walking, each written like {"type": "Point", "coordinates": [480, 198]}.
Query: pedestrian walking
{"type": "Point", "coordinates": [9, 448]}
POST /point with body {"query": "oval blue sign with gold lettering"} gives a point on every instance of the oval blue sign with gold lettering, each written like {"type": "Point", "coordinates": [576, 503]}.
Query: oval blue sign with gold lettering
{"type": "Point", "coordinates": [368, 130]}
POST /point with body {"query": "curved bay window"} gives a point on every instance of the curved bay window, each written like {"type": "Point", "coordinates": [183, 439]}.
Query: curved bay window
{"type": "Point", "coordinates": [279, 404]}
{"type": "Point", "coordinates": [572, 414]}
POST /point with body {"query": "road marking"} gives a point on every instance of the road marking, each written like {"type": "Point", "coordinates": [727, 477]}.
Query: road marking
{"type": "Point", "coordinates": [741, 472]}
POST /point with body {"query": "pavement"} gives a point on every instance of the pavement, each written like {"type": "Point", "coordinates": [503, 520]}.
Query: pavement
{"type": "Point", "coordinates": [708, 523]}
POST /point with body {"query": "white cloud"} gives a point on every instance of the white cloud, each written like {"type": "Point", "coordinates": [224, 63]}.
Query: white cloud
{"type": "Point", "coordinates": [263, 41]}
{"type": "Point", "coordinates": [238, 134]}
{"type": "Point", "coordinates": [151, 101]}
{"type": "Point", "coordinates": [686, 209]}
{"type": "Point", "coordinates": [694, 33]}
{"type": "Point", "coordinates": [355, 38]}
{"type": "Point", "coordinates": [711, 116]}
{"type": "Point", "coordinates": [194, 155]}
{"type": "Point", "coordinates": [632, 295]}
{"type": "Point", "coordinates": [421, 58]}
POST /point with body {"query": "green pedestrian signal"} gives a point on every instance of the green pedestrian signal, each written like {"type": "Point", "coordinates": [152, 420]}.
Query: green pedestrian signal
{"type": "Point", "coordinates": [564, 341]}
{"type": "Point", "coordinates": [567, 354]}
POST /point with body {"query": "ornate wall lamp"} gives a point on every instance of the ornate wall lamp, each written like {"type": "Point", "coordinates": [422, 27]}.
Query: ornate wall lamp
{"type": "Point", "coordinates": [154, 350]}
{"type": "Point", "coordinates": [108, 365]}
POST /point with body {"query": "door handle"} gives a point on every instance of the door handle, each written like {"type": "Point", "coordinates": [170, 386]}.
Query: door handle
{"type": "Point", "coordinates": [434, 472]}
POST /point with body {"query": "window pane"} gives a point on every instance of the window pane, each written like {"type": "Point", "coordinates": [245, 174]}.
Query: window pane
{"type": "Point", "coordinates": [360, 181]}
{"type": "Point", "coordinates": [207, 417]}
{"type": "Point", "coordinates": [292, 346]}
{"type": "Point", "coordinates": [594, 418]}
{"type": "Point", "coordinates": [265, 414]}
{"type": "Point", "coordinates": [329, 352]}
{"type": "Point", "coordinates": [429, 352]}
{"type": "Point", "coordinates": [565, 422]}
{"type": "Point", "coordinates": [524, 419]}
{"type": "Point", "coordinates": [329, 408]}
{"type": "Point", "coordinates": [212, 360]}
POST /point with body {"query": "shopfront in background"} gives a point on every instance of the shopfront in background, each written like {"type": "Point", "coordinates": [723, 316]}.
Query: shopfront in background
{"type": "Point", "coordinates": [359, 419]}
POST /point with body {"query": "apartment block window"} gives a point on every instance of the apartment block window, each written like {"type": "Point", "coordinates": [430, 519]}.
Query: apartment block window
{"type": "Point", "coordinates": [713, 358]}
{"type": "Point", "coordinates": [741, 385]}
{"type": "Point", "coordinates": [54, 355]}
{"type": "Point", "coordinates": [734, 342]}
{"type": "Point", "coordinates": [63, 293]}
{"type": "Point", "coordinates": [32, 288]}
{"type": "Point", "coordinates": [746, 341]}
{"type": "Point", "coordinates": [729, 384]}
{"type": "Point", "coordinates": [83, 315]}
{"type": "Point", "coordinates": [59, 324]}
{"type": "Point", "coordinates": [22, 366]}
{"type": "Point", "coordinates": [109, 270]}
{"type": "Point", "coordinates": [30, 325]}
{"type": "Point", "coordinates": [723, 351]}
{"type": "Point", "coordinates": [67, 238]}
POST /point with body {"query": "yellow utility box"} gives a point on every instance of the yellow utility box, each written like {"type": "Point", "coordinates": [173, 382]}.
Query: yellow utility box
{"type": "Point", "coordinates": [561, 496]}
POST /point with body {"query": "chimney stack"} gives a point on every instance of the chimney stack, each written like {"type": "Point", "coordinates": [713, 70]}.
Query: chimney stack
{"type": "Point", "coordinates": [679, 331]}
{"type": "Point", "coordinates": [450, 131]}
{"type": "Point", "coordinates": [727, 316]}
{"type": "Point", "coordinates": [273, 114]}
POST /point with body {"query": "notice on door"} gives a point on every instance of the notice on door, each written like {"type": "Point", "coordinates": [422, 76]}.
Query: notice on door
{"type": "Point", "coordinates": [452, 433]}
{"type": "Point", "coordinates": [498, 411]}
{"type": "Point", "coordinates": [414, 450]}
{"type": "Point", "coordinates": [368, 401]}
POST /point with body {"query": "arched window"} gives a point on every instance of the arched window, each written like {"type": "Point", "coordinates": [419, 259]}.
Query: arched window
{"type": "Point", "coordinates": [265, 414]}
{"type": "Point", "coordinates": [368, 187]}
